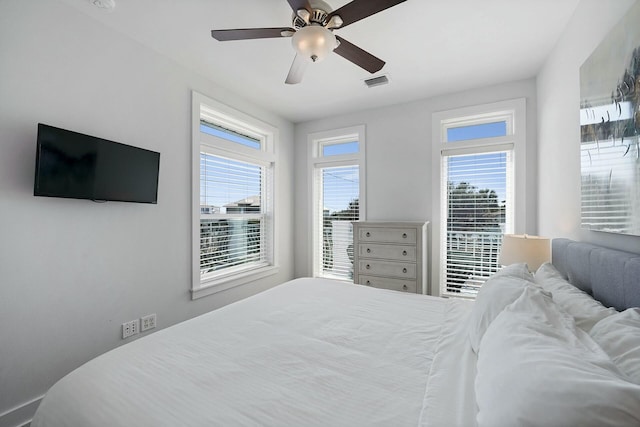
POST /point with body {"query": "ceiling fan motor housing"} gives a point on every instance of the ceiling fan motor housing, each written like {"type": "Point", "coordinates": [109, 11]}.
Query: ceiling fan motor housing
{"type": "Point", "coordinates": [320, 11]}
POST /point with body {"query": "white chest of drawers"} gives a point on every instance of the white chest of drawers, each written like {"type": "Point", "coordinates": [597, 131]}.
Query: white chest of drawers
{"type": "Point", "coordinates": [391, 255]}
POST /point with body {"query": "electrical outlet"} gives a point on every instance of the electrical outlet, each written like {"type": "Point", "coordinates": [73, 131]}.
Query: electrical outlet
{"type": "Point", "coordinates": [130, 328]}
{"type": "Point", "coordinates": [148, 322]}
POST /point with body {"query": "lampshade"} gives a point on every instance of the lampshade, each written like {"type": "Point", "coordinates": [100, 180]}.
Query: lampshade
{"type": "Point", "coordinates": [533, 250]}
{"type": "Point", "coordinates": [314, 42]}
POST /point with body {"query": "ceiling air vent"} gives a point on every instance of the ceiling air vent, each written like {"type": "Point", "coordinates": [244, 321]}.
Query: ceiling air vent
{"type": "Point", "coordinates": [104, 4]}
{"type": "Point", "coordinates": [377, 81]}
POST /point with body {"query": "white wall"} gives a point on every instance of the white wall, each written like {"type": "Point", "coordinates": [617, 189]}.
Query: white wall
{"type": "Point", "coordinates": [72, 271]}
{"type": "Point", "coordinates": [398, 156]}
{"type": "Point", "coordinates": [558, 86]}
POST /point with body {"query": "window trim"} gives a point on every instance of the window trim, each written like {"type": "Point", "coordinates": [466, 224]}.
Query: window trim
{"type": "Point", "coordinates": [265, 156]}
{"type": "Point", "coordinates": [316, 141]}
{"type": "Point", "coordinates": [515, 112]}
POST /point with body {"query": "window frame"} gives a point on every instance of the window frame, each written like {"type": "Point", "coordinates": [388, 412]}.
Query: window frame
{"type": "Point", "coordinates": [514, 112]}
{"type": "Point", "coordinates": [230, 118]}
{"type": "Point", "coordinates": [316, 162]}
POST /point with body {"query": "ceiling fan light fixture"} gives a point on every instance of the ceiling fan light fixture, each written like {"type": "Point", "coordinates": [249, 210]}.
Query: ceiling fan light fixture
{"type": "Point", "coordinates": [314, 42]}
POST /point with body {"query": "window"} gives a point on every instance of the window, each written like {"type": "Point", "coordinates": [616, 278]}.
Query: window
{"type": "Point", "coordinates": [477, 149]}
{"type": "Point", "coordinates": [476, 131]}
{"type": "Point", "coordinates": [337, 167]}
{"type": "Point", "coordinates": [233, 221]}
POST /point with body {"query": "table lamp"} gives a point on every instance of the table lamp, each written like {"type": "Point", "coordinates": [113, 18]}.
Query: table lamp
{"type": "Point", "coordinates": [533, 250]}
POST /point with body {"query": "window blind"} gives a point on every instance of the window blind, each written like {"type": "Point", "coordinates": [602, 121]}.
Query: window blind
{"type": "Point", "coordinates": [477, 211]}
{"type": "Point", "coordinates": [609, 173]}
{"type": "Point", "coordinates": [232, 214]}
{"type": "Point", "coordinates": [339, 205]}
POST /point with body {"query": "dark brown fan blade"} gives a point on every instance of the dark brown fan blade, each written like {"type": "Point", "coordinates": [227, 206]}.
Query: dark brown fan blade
{"type": "Point", "coordinates": [251, 33]}
{"type": "Point", "coordinates": [360, 9]}
{"type": "Point", "coordinates": [300, 4]}
{"type": "Point", "coordinates": [360, 57]}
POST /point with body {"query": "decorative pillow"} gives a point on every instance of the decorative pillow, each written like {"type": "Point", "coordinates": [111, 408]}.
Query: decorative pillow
{"type": "Point", "coordinates": [586, 311]}
{"type": "Point", "coordinates": [619, 337]}
{"type": "Point", "coordinates": [536, 368]}
{"type": "Point", "coordinates": [494, 295]}
{"type": "Point", "coordinates": [519, 270]}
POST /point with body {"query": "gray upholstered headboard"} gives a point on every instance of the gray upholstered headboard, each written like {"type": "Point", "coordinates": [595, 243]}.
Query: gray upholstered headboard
{"type": "Point", "coordinates": [610, 276]}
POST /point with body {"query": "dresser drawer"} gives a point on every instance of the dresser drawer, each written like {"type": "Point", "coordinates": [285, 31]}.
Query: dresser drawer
{"type": "Point", "coordinates": [388, 235]}
{"type": "Point", "coordinates": [393, 284]}
{"type": "Point", "coordinates": [393, 252]}
{"type": "Point", "coordinates": [402, 270]}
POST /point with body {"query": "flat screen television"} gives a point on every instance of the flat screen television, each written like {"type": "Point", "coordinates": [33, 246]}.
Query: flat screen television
{"type": "Point", "coordinates": [78, 166]}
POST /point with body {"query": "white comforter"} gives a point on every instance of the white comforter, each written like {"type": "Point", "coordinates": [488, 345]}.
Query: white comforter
{"type": "Point", "coordinates": [310, 352]}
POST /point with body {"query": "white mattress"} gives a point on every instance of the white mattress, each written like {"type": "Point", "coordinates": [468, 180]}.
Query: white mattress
{"type": "Point", "coordinates": [308, 352]}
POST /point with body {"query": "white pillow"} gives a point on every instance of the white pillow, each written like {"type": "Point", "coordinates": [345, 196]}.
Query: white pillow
{"type": "Point", "coordinates": [519, 270]}
{"type": "Point", "coordinates": [547, 271]}
{"type": "Point", "coordinates": [586, 311]}
{"type": "Point", "coordinates": [619, 337]}
{"type": "Point", "coordinates": [494, 295]}
{"type": "Point", "coordinates": [536, 368]}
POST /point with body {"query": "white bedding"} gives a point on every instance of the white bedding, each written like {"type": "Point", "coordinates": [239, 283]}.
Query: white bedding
{"type": "Point", "coordinates": [450, 398]}
{"type": "Point", "coordinates": [308, 352]}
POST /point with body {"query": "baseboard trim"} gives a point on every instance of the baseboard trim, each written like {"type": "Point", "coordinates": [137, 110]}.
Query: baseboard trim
{"type": "Point", "coordinates": [21, 415]}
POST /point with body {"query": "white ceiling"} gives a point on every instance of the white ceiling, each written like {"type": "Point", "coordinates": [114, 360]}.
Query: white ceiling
{"type": "Point", "coordinates": [431, 47]}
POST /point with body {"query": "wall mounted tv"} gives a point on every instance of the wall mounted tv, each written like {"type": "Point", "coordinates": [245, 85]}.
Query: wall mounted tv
{"type": "Point", "coordinates": [77, 166]}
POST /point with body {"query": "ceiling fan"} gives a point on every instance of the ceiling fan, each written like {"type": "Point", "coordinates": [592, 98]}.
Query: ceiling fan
{"type": "Point", "coordinates": [312, 33]}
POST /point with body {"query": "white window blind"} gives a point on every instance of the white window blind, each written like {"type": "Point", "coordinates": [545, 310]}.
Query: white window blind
{"type": "Point", "coordinates": [339, 189]}
{"type": "Point", "coordinates": [609, 174]}
{"type": "Point", "coordinates": [232, 215]}
{"type": "Point", "coordinates": [477, 210]}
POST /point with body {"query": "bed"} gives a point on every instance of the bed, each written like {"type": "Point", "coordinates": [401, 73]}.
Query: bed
{"type": "Point", "coordinates": [315, 352]}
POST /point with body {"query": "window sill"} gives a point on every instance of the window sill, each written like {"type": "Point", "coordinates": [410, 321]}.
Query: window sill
{"type": "Point", "coordinates": [216, 285]}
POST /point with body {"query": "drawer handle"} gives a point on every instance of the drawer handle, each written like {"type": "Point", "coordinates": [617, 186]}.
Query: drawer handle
{"type": "Point", "coordinates": [368, 250]}
{"type": "Point", "coordinates": [369, 267]}
{"type": "Point", "coordinates": [368, 234]}
{"type": "Point", "coordinates": [404, 287]}
{"type": "Point", "coordinates": [369, 283]}
{"type": "Point", "coordinates": [404, 235]}
{"type": "Point", "coordinates": [404, 270]}
{"type": "Point", "coordinates": [404, 253]}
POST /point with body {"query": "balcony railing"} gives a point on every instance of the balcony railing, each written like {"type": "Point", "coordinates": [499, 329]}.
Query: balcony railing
{"type": "Point", "coordinates": [471, 258]}
{"type": "Point", "coordinates": [229, 242]}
